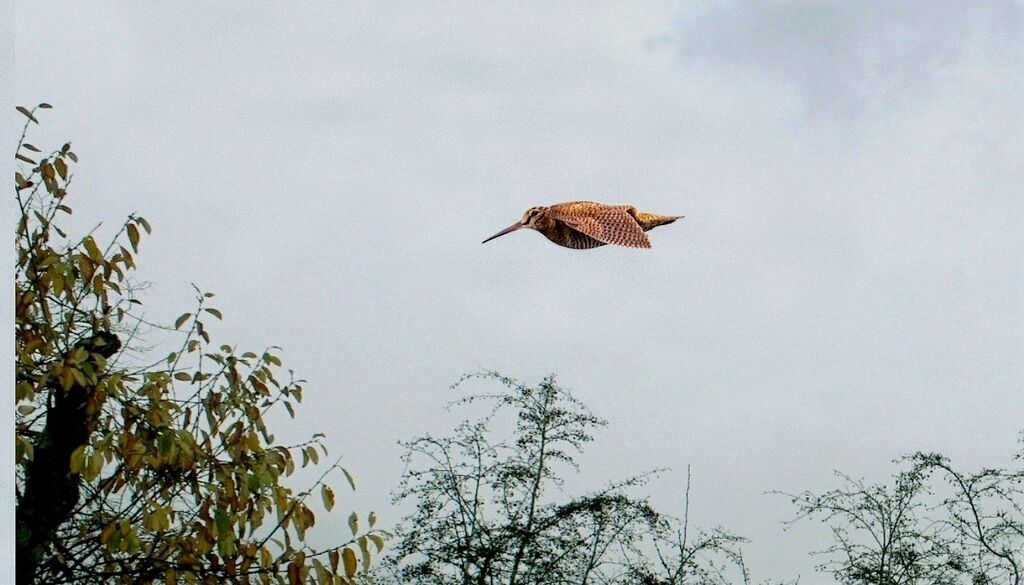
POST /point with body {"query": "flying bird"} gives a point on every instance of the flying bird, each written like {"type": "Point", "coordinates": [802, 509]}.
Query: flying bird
{"type": "Point", "coordinates": [585, 224]}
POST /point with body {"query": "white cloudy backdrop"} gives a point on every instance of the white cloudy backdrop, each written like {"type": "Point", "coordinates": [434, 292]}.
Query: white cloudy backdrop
{"type": "Point", "coordinates": [846, 285]}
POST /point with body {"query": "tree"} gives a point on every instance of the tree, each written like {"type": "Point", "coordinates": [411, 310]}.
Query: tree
{"type": "Point", "coordinates": [968, 528]}
{"type": "Point", "coordinates": [487, 512]}
{"type": "Point", "coordinates": [983, 516]}
{"type": "Point", "coordinates": [675, 555]}
{"type": "Point", "coordinates": [133, 468]}
{"type": "Point", "coordinates": [880, 536]}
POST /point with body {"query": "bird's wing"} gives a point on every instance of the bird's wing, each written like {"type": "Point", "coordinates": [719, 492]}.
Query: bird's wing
{"type": "Point", "coordinates": [604, 223]}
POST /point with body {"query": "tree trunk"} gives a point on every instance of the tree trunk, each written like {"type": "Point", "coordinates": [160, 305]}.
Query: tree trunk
{"type": "Point", "coordinates": [51, 490]}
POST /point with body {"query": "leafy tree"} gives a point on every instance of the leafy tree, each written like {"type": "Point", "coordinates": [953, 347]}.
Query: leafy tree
{"type": "Point", "coordinates": [133, 468]}
{"type": "Point", "coordinates": [488, 511]}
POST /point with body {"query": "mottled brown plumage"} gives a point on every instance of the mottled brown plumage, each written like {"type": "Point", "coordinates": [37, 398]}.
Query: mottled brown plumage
{"type": "Point", "coordinates": [585, 224]}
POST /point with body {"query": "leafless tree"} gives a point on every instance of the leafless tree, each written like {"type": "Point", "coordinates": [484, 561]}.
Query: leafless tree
{"type": "Point", "coordinates": [488, 509]}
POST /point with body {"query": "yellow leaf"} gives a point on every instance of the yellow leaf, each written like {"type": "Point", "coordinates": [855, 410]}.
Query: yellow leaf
{"type": "Point", "coordinates": [348, 476]}
{"type": "Point", "coordinates": [349, 558]}
{"type": "Point", "coordinates": [334, 557]}
{"type": "Point", "coordinates": [67, 379]}
{"type": "Point", "coordinates": [93, 250]}
{"type": "Point", "coordinates": [108, 531]}
{"type": "Point", "coordinates": [126, 258]}
{"type": "Point", "coordinates": [377, 540]}
{"type": "Point", "coordinates": [366, 554]}
{"type": "Point", "coordinates": [78, 459]}
{"type": "Point", "coordinates": [328, 496]}
{"type": "Point", "coordinates": [353, 523]}
{"type": "Point", "coordinates": [133, 236]}
{"type": "Point", "coordinates": [93, 466]}
{"type": "Point", "coordinates": [322, 574]}
{"type": "Point", "coordinates": [86, 266]}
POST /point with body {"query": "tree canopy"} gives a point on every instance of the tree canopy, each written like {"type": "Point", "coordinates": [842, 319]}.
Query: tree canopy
{"type": "Point", "coordinates": [489, 507]}
{"type": "Point", "coordinates": [138, 468]}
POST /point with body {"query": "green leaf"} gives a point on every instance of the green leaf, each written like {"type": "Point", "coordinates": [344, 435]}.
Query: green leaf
{"type": "Point", "coordinates": [44, 106]}
{"type": "Point", "coordinates": [215, 313]}
{"type": "Point", "coordinates": [223, 523]}
{"type": "Point", "coordinates": [31, 147]}
{"type": "Point", "coordinates": [181, 320]}
{"type": "Point", "coordinates": [27, 113]}
{"type": "Point", "coordinates": [24, 159]}
{"type": "Point", "coordinates": [145, 224]}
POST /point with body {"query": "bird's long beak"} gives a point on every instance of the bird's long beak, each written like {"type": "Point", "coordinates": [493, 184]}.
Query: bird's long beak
{"type": "Point", "coordinates": [507, 230]}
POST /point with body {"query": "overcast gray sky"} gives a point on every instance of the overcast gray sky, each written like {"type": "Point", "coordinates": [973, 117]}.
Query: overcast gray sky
{"type": "Point", "coordinates": [846, 286]}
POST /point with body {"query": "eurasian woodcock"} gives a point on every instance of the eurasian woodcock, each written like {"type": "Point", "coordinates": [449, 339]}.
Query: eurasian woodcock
{"type": "Point", "coordinates": [585, 224]}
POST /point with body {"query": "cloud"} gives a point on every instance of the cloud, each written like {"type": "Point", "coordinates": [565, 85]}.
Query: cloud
{"type": "Point", "coordinates": [849, 61]}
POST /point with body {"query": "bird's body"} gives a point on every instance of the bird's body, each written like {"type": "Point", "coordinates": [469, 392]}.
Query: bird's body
{"type": "Point", "coordinates": [585, 224]}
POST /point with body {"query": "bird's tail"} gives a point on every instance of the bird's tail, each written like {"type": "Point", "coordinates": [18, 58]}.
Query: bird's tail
{"type": "Point", "coordinates": [650, 220]}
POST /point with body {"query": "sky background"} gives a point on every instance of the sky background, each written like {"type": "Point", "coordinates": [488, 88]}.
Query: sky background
{"type": "Point", "coordinates": [846, 286]}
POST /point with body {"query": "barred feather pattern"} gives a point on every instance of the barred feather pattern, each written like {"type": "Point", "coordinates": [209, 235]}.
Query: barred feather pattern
{"type": "Point", "coordinates": [564, 235]}
{"type": "Point", "coordinates": [607, 224]}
